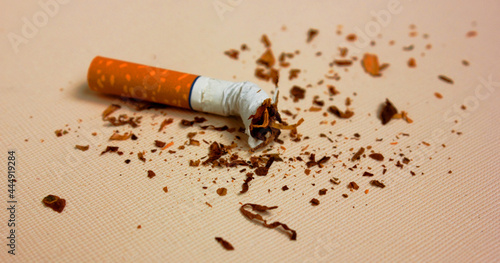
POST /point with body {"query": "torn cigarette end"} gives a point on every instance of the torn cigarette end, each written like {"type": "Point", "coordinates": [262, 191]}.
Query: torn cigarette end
{"type": "Point", "coordinates": [245, 99]}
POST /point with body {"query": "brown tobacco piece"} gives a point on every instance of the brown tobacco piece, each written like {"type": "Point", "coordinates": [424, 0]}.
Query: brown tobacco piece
{"type": "Point", "coordinates": [353, 185]}
{"type": "Point", "coordinates": [358, 154]}
{"type": "Point", "coordinates": [82, 147]}
{"type": "Point", "coordinates": [165, 123]}
{"type": "Point", "coordinates": [377, 183]}
{"type": "Point", "coordinates": [123, 119]}
{"type": "Point", "coordinates": [371, 65]}
{"type": "Point", "coordinates": [222, 191]}
{"type": "Point", "coordinates": [294, 73]}
{"type": "Point", "coordinates": [226, 245]}
{"type": "Point", "coordinates": [314, 202]}
{"type": "Point", "coordinates": [232, 53]}
{"type": "Point", "coordinates": [160, 144]}
{"type": "Point", "coordinates": [376, 156]}
{"type": "Point", "coordinates": [194, 163]}
{"type": "Point", "coordinates": [110, 149]}
{"type": "Point", "coordinates": [445, 79]}
{"type": "Point", "coordinates": [141, 157]}
{"type": "Point", "coordinates": [351, 37]}
{"type": "Point", "coordinates": [412, 63]}
{"type": "Point", "coordinates": [333, 91]}
{"type": "Point", "coordinates": [322, 191]}
{"type": "Point", "coordinates": [261, 209]}
{"type": "Point", "coordinates": [342, 62]}
{"type": "Point", "coordinates": [151, 174]}
{"type": "Point", "coordinates": [297, 93]}
{"type": "Point", "coordinates": [244, 186]}
{"type": "Point", "coordinates": [190, 123]}
{"type": "Point", "coordinates": [311, 34]}
{"type": "Point", "coordinates": [367, 174]}
{"type": "Point", "coordinates": [109, 110]}
{"type": "Point", "coordinates": [343, 115]}
{"type": "Point", "coordinates": [312, 161]}
{"type": "Point", "coordinates": [388, 111]}
{"type": "Point", "coordinates": [267, 59]}
{"type": "Point", "coordinates": [55, 202]}
{"type": "Point", "coordinates": [216, 150]}
{"type": "Point", "coordinates": [438, 95]}
{"type": "Point", "coordinates": [60, 133]}
{"type": "Point", "coordinates": [265, 40]}
{"type": "Point", "coordinates": [120, 137]}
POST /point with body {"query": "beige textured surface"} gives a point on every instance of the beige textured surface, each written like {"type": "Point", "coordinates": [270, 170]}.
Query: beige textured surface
{"type": "Point", "coordinates": [431, 217]}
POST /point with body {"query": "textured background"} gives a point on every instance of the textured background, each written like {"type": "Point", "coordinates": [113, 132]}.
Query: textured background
{"type": "Point", "coordinates": [433, 216]}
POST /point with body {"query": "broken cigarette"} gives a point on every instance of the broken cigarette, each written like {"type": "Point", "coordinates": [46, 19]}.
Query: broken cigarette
{"type": "Point", "coordinates": [244, 99]}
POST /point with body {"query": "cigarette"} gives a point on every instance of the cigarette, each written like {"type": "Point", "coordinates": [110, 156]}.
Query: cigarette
{"type": "Point", "coordinates": [199, 93]}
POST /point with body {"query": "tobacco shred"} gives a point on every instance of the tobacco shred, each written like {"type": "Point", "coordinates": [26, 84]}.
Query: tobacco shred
{"type": "Point", "coordinates": [376, 156]}
{"type": "Point", "coordinates": [371, 65]}
{"type": "Point", "coordinates": [388, 111]}
{"type": "Point", "coordinates": [445, 79]}
{"type": "Point", "coordinates": [322, 191]}
{"type": "Point", "coordinates": [311, 34]}
{"type": "Point", "coordinates": [141, 157]}
{"type": "Point", "coordinates": [120, 137]}
{"type": "Point", "coordinates": [194, 163]}
{"type": "Point", "coordinates": [333, 91]}
{"type": "Point", "coordinates": [164, 123]}
{"type": "Point", "coordinates": [165, 189]}
{"type": "Point", "coordinates": [377, 183]}
{"type": "Point", "coordinates": [232, 53]}
{"type": "Point", "coordinates": [294, 73]}
{"type": "Point", "coordinates": [190, 123]}
{"type": "Point", "coordinates": [353, 185]}
{"type": "Point", "coordinates": [110, 149]}
{"type": "Point", "coordinates": [160, 144]}
{"type": "Point", "coordinates": [342, 62]}
{"type": "Point", "coordinates": [367, 174]}
{"type": "Point", "coordinates": [284, 188]}
{"type": "Point", "coordinates": [109, 110]}
{"type": "Point", "coordinates": [297, 93]}
{"type": "Point", "coordinates": [262, 209]}
{"type": "Point", "coordinates": [438, 95]}
{"type": "Point", "coordinates": [312, 161]}
{"type": "Point", "coordinates": [267, 59]}
{"type": "Point", "coordinates": [358, 154]}
{"type": "Point", "coordinates": [123, 119]}
{"type": "Point", "coordinates": [226, 245]}
{"type": "Point", "coordinates": [82, 147]}
{"type": "Point", "coordinates": [265, 40]}
{"type": "Point", "coordinates": [244, 186]}
{"type": "Point", "coordinates": [222, 191]}
{"type": "Point", "coordinates": [412, 63]}
{"type": "Point", "coordinates": [151, 174]}
{"type": "Point", "coordinates": [314, 202]}
{"type": "Point", "coordinates": [343, 115]}
{"type": "Point", "coordinates": [55, 202]}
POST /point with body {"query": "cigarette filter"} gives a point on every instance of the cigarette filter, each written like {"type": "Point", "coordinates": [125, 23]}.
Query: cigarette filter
{"type": "Point", "coordinates": [177, 89]}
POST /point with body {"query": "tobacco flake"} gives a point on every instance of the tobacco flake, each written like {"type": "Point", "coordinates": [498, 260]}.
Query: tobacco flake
{"type": "Point", "coordinates": [226, 245]}
{"type": "Point", "coordinates": [55, 202]}
{"type": "Point", "coordinates": [262, 209]}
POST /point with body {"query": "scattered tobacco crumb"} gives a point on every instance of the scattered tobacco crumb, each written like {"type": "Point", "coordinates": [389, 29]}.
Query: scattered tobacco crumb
{"type": "Point", "coordinates": [314, 202]}
{"type": "Point", "coordinates": [342, 62]}
{"type": "Point", "coordinates": [294, 73]}
{"type": "Point", "coordinates": [311, 34]}
{"type": "Point", "coordinates": [222, 191]}
{"type": "Point", "coordinates": [232, 53]}
{"type": "Point", "coordinates": [471, 33]}
{"type": "Point", "coordinates": [190, 123]}
{"type": "Point", "coordinates": [265, 40]}
{"type": "Point", "coordinates": [388, 111]}
{"type": "Point", "coordinates": [333, 91]}
{"type": "Point", "coordinates": [284, 188]}
{"type": "Point", "coordinates": [55, 202]}
{"type": "Point", "coordinates": [345, 195]}
{"type": "Point", "coordinates": [262, 209]}
{"type": "Point", "coordinates": [141, 157]}
{"type": "Point", "coordinates": [61, 132]}
{"type": "Point", "coordinates": [371, 65]}
{"type": "Point", "coordinates": [353, 185]}
{"type": "Point", "coordinates": [323, 191]}
{"type": "Point", "coordinates": [377, 183]}
{"type": "Point", "coordinates": [465, 62]}
{"type": "Point", "coordinates": [367, 174]}
{"type": "Point", "coordinates": [165, 123]}
{"type": "Point", "coordinates": [110, 149]}
{"type": "Point", "coordinates": [267, 59]}
{"type": "Point", "coordinates": [445, 79]}
{"type": "Point", "coordinates": [194, 163]}
{"type": "Point", "coordinates": [297, 93]}
{"type": "Point", "coordinates": [412, 63]}
{"type": "Point", "coordinates": [226, 245]}
{"type": "Point", "coordinates": [341, 114]}
{"type": "Point", "coordinates": [151, 174]}
{"type": "Point", "coordinates": [244, 186]}
{"type": "Point", "coordinates": [438, 95]}
{"type": "Point", "coordinates": [351, 37]}
{"type": "Point", "coordinates": [120, 137]}
{"type": "Point", "coordinates": [109, 110]}
{"type": "Point", "coordinates": [376, 156]}
{"type": "Point", "coordinates": [358, 154]}
{"type": "Point", "coordinates": [82, 147]}
{"type": "Point", "coordinates": [160, 144]}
